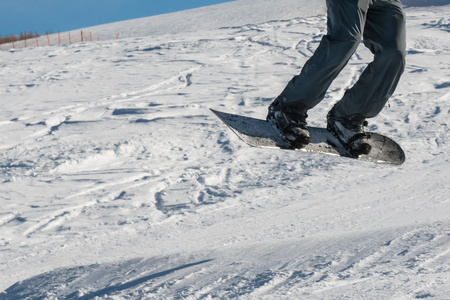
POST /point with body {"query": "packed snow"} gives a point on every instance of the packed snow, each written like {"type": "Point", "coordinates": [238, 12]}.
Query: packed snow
{"type": "Point", "coordinates": [117, 182]}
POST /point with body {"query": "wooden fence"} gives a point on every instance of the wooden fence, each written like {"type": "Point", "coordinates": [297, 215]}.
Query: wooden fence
{"type": "Point", "coordinates": [51, 40]}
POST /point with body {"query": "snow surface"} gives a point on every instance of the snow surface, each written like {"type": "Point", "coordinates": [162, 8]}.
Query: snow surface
{"type": "Point", "coordinates": [117, 182]}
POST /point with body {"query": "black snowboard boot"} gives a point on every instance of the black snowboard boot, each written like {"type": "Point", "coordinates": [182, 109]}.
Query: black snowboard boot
{"type": "Point", "coordinates": [350, 132]}
{"type": "Point", "coordinates": [290, 124]}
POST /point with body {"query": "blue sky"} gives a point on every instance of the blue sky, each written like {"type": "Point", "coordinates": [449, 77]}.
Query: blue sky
{"type": "Point", "coordinates": [62, 15]}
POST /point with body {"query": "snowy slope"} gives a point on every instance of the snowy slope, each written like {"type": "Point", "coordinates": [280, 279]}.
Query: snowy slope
{"type": "Point", "coordinates": [234, 13]}
{"type": "Point", "coordinates": [117, 182]}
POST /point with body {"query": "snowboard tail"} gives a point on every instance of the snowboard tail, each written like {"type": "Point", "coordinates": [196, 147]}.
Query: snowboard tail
{"type": "Point", "coordinates": [260, 133]}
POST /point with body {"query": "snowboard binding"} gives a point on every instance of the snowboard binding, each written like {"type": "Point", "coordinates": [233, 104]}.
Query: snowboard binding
{"type": "Point", "coordinates": [350, 132]}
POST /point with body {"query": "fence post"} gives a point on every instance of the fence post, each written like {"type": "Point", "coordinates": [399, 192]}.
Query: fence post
{"type": "Point", "coordinates": [12, 39]}
{"type": "Point", "coordinates": [48, 39]}
{"type": "Point", "coordinates": [59, 38]}
{"type": "Point", "coordinates": [82, 36]}
{"type": "Point", "coordinates": [70, 41]}
{"type": "Point", "coordinates": [25, 39]}
{"type": "Point", "coordinates": [37, 41]}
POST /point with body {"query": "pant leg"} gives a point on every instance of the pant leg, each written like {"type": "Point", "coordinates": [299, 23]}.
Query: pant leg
{"type": "Point", "coordinates": [384, 35]}
{"type": "Point", "coordinates": [345, 22]}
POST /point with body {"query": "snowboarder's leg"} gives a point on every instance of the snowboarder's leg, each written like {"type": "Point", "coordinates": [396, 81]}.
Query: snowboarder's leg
{"type": "Point", "coordinates": [384, 35]}
{"type": "Point", "coordinates": [346, 19]}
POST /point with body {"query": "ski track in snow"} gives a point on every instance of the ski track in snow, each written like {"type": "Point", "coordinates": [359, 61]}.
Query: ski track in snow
{"type": "Point", "coordinates": [118, 183]}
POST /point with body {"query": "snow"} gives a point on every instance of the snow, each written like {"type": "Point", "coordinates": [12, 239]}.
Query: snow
{"type": "Point", "coordinates": [117, 182]}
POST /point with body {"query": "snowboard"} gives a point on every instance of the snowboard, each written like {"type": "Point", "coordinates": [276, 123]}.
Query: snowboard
{"type": "Point", "coordinates": [260, 133]}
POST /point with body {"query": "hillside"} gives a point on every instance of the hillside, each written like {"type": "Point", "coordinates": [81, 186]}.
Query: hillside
{"type": "Point", "coordinates": [117, 182]}
{"type": "Point", "coordinates": [234, 13]}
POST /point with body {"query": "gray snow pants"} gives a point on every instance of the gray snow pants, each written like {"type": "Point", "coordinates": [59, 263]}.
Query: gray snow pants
{"type": "Point", "coordinates": [381, 25]}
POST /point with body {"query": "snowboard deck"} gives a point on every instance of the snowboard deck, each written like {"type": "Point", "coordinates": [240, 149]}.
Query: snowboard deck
{"type": "Point", "coordinates": [260, 133]}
